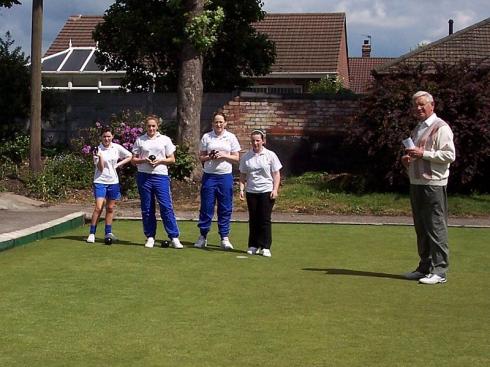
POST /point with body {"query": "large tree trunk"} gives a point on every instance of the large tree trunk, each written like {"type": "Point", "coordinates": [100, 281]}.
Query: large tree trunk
{"type": "Point", "coordinates": [36, 45]}
{"type": "Point", "coordinates": [189, 95]}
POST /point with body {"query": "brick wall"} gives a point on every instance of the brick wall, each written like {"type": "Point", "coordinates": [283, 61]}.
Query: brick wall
{"type": "Point", "coordinates": [306, 133]}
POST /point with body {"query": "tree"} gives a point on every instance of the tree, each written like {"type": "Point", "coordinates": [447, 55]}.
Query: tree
{"type": "Point", "coordinates": [14, 87]}
{"type": "Point", "coordinates": [9, 3]}
{"type": "Point", "coordinates": [462, 98]}
{"type": "Point", "coordinates": [176, 44]}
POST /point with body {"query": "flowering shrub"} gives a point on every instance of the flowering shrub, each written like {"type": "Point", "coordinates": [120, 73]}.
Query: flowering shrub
{"type": "Point", "coordinates": [126, 127]}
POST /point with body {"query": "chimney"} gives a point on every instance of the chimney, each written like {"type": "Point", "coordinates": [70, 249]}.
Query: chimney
{"type": "Point", "coordinates": [366, 49]}
{"type": "Point", "coordinates": [451, 22]}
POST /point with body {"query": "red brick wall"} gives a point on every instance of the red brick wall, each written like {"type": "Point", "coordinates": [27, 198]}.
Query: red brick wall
{"type": "Point", "coordinates": [288, 117]}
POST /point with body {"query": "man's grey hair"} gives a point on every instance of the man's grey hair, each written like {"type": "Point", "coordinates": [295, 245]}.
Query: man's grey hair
{"type": "Point", "coordinates": [422, 93]}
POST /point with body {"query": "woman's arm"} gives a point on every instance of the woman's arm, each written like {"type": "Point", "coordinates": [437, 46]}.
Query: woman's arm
{"type": "Point", "coordinates": [232, 157]}
{"type": "Point", "coordinates": [243, 183]}
{"type": "Point", "coordinates": [276, 180]}
{"type": "Point", "coordinates": [124, 161]}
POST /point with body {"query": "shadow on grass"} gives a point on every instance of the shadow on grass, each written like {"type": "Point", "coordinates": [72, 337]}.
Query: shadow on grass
{"type": "Point", "coordinates": [158, 244]}
{"type": "Point", "coordinates": [358, 273]}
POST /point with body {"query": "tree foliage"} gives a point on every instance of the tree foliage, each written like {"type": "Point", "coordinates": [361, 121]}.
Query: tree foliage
{"type": "Point", "coordinates": [462, 99]}
{"type": "Point", "coordinates": [14, 87]}
{"type": "Point", "coordinates": [145, 38]}
{"type": "Point", "coordinates": [9, 3]}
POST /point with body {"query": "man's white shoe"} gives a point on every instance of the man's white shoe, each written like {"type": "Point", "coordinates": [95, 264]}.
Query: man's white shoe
{"type": "Point", "coordinates": [433, 279]}
{"type": "Point", "coordinates": [414, 275]}
{"type": "Point", "coordinates": [91, 238]}
{"type": "Point", "coordinates": [201, 242]}
{"type": "Point", "coordinates": [175, 243]}
{"type": "Point", "coordinates": [150, 242]}
{"type": "Point", "coordinates": [226, 244]}
{"type": "Point", "coordinates": [252, 250]}
{"type": "Point", "coordinates": [266, 252]}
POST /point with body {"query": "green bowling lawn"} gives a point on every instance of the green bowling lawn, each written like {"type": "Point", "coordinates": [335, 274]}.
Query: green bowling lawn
{"type": "Point", "coordinates": [331, 295]}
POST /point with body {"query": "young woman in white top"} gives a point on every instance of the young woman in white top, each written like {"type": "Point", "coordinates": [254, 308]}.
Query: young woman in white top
{"type": "Point", "coordinates": [259, 184]}
{"type": "Point", "coordinates": [219, 151]}
{"type": "Point", "coordinates": [153, 152]}
{"type": "Point", "coordinates": [108, 156]}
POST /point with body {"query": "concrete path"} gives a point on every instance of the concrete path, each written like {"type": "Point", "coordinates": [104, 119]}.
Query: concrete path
{"type": "Point", "coordinates": [21, 217]}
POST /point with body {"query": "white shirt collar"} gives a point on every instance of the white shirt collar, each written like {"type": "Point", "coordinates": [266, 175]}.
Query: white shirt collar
{"type": "Point", "coordinates": [430, 120]}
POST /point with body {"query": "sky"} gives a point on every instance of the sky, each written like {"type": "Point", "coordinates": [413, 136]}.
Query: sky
{"type": "Point", "coordinates": [394, 27]}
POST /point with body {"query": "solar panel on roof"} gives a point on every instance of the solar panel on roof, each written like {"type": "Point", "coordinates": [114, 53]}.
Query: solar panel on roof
{"type": "Point", "coordinates": [76, 60]}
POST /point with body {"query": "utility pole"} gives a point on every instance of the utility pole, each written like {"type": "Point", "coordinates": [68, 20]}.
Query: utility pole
{"type": "Point", "coordinates": [36, 46]}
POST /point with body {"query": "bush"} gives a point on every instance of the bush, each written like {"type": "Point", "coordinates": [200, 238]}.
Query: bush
{"type": "Point", "coordinates": [328, 86]}
{"type": "Point", "coordinates": [16, 149]}
{"type": "Point", "coordinates": [462, 99]}
{"type": "Point", "coordinates": [60, 173]}
{"type": "Point", "coordinates": [184, 163]}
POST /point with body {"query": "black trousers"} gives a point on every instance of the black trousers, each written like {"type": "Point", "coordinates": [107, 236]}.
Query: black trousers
{"type": "Point", "coordinates": [259, 219]}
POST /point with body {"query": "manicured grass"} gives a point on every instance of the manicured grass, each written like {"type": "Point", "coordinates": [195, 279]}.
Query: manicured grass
{"type": "Point", "coordinates": [311, 194]}
{"type": "Point", "coordinates": [331, 295]}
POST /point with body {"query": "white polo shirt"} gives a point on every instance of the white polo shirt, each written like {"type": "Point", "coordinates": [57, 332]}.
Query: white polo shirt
{"type": "Point", "coordinates": [259, 168]}
{"type": "Point", "coordinates": [226, 142]}
{"type": "Point", "coordinates": [160, 146]}
{"type": "Point", "coordinates": [111, 155]}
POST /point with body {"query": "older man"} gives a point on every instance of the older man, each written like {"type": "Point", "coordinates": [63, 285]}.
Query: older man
{"type": "Point", "coordinates": [428, 169]}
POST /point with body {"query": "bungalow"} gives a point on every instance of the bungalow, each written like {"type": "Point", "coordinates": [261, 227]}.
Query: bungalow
{"type": "Point", "coordinates": [308, 46]}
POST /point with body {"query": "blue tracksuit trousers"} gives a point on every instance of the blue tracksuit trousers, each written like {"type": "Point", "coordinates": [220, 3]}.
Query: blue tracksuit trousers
{"type": "Point", "coordinates": [216, 189]}
{"type": "Point", "coordinates": [149, 187]}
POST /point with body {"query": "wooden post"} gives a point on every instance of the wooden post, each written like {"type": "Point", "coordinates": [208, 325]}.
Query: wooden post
{"type": "Point", "coordinates": [36, 46]}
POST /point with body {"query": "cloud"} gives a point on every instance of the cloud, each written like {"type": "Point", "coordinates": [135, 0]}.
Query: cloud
{"type": "Point", "coordinates": [396, 26]}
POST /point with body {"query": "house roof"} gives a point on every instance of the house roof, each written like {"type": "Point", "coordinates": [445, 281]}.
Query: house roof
{"type": "Point", "coordinates": [305, 43]}
{"type": "Point", "coordinates": [471, 43]}
{"type": "Point", "coordinates": [76, 32]}
{"type": "Point", "coordinates": [360, 69]}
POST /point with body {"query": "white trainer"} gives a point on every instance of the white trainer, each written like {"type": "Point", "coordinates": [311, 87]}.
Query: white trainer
{"type": "Point", "coordinates": [266, 252]}
{"type": "Point", "coordinates": [91, 238]}
{"type": "Point", "coordinates": [433, 279]}
{"type": "Point", "coordinates": [201, 242]}
{"type": "Point", "coordinates": [252, 250]}
{"type": "Point", "coordinates": [175, 243]}
{"type": "Point", "coordinates": [150, 242]}
{"type": "Point", "coordinates": [226, 244]}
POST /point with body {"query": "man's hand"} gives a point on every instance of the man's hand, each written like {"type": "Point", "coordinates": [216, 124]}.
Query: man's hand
{"type": "Point", "coordinates": [406, 160]}
{"type": "Point", "coordinates": [416, 152]}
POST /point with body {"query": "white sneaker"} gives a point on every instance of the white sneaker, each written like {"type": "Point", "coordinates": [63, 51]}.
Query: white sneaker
{"type": "Point", "coordinates": [252, 250]}
{"type": "Point", "coordinates": [226, 244]}
{"type": "Point", "coordinates": [175, 243]}
{"type": "Point", "coordinates": [414, 275]}
{"type": "Point", "coordinates": [150, 241]}
{"type": "Point", "coordinates": [201, 242]}
{"type": "Point", "coordinates": [91, 238]}
{"type": "Point", "coordinates": [266, 252]}
{"type": "Point", "coordinates": [433, 279]}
